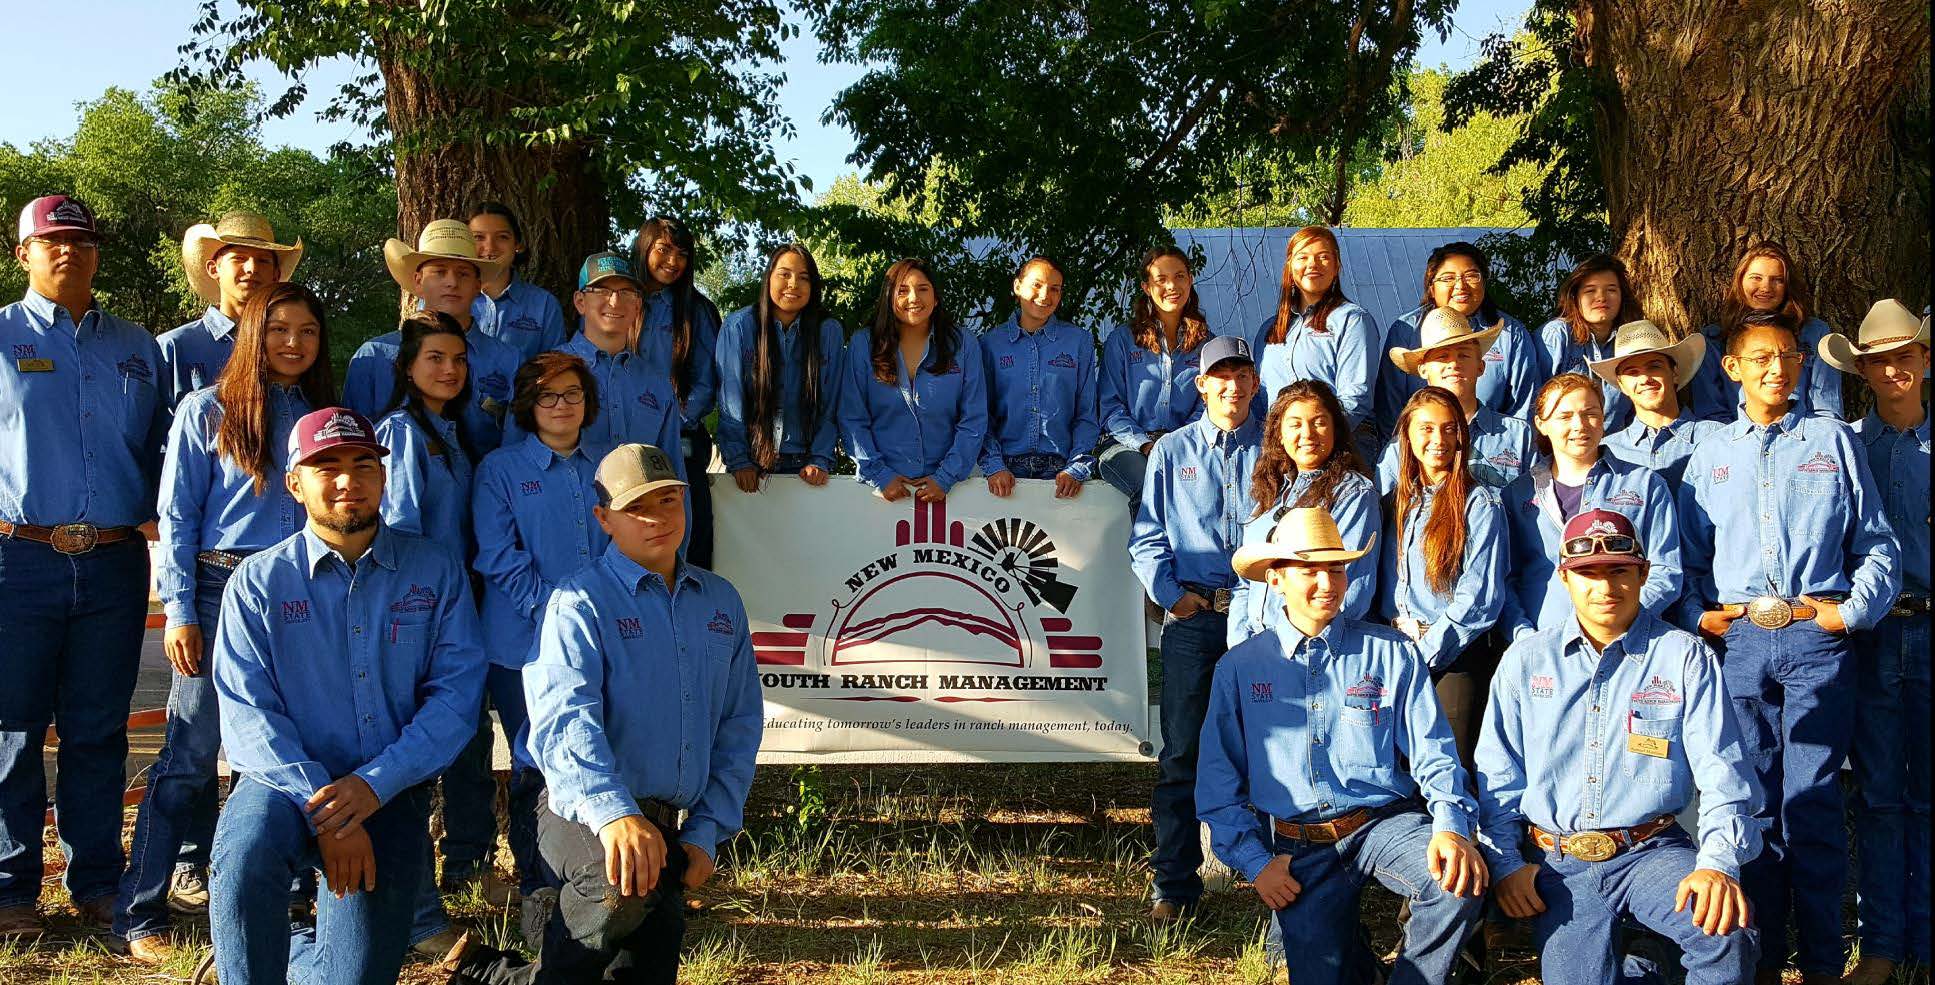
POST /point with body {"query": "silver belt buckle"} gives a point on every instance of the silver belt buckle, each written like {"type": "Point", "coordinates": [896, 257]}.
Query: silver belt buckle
{"type": "Point", "coordinates": [1770, 612]}
{"type": "Point", "coordinates": [1220, 600]}
{"type": "Point", "coordinates": [75, 538]}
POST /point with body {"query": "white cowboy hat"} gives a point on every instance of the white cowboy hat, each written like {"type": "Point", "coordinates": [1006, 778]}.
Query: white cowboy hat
{"type": "Point", "coordinates": [1638, 338]}
{"type": "Point", "coordinates": [1306, 536]}
{"type": "Point", "coordinates": [203, 241]}
{"type": "Point", "coordinates": [1888, 326]}
{"type": "Point", "coordinates": [442, 239]}
{"type": "Point", "coordinates": [1442, 327]}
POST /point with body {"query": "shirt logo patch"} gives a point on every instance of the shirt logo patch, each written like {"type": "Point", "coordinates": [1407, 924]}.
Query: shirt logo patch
{"type": "Point", "coordinates": [1542, 685]}
{"type": "Point", "coordinates": [1722, 473]}
{"type": "Point", "coordinates": [1190, 473]}
{"type": "Point", "coordinates": [954, 370]}
{"type": "Point", "coordinates": [295, 611]}
{"type": "Point", "coordinates": [1820, 464]}
{"type": "Point", "coordinates": [649, 399]}
{"type": "Point", "coordinates": [1063, 361]}
{"type": "Point", "coordinates": [524, 323]}
{"type": "Point", "coordinates": [1657, 691]}
{"type": "Point", "coordinates": [1007, 362]}
{"type": "Point", "coordinates": [1494, 356]}
{"type": "Point", "coordinates": [1135, 355]}
{"type": "Point", "coordinates": [531, 487]}
{"type": "Point", "coordinates": [720, 623]}
{"type": "Point", "coordinates": [24, 351]}
{"type": "Point", "coordinates": [417, 599]}
{"type": "Point", "coordinates": [1504, 460]}
{"type": "Point", "coordinates": [630, 628]}
{"type": "Point", "coordinates": [1260, 691]}
{"type": "Point", "coordinates": [1625, 498]}
{"type": "Point", "coordinates": [135, 367]}
{"type": "Point", "coordinates": [1368, 693]}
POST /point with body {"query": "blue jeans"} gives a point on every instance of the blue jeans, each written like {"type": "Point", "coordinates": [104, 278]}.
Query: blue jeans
{"type": "Point", "coordinates": [1123, 467]}
{"type": "Point", "coordinates": [1036, 466]}
{"type": "Point", "coordinates": [72, 629]}
{"type": "Point", "coordinates": [1320, 926]}
{"type": "Point", "coordinates": [262, 842]}
{"type": "Point", "coordinates": [1585, 902]}
{"type": "Point", "coordinates": [1891, 765]}
{"type": "Point", "coordinates": [1793, 692]}
{"type": "Point", "coordinates": [1190, 649]}
{"type": "Point", "coordinates": [178, 809]}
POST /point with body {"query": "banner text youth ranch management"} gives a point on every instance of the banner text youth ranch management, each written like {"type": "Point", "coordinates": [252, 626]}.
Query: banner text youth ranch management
{"type": "Point", "coordinates": [974, 630]}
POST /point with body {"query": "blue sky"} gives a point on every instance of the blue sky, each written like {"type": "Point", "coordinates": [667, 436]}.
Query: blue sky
{"type": "Point", "coordinates": [137, 44]}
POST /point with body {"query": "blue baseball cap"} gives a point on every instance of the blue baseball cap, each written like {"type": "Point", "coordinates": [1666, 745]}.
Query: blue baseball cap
{"type": "Point", "coordinates": [604, 266]}
{"type": "Point", "coordinates": [1222, 348]}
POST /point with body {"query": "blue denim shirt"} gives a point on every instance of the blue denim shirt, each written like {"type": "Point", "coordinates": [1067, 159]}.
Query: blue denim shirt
{"type": "Point", "coordinates": [1502, 449]}
{"type": "Point", "coordinates": [933, 427]}
{"type": "Point", "coordinates": [193, 355]}
{"type": "Point", "coordinates": [208, 503]}
{"type": "Point", "coordinates": [1714, 395]}
{"type": "Point", "coordinates": [1536, 599]}
{"type": "Point", "coordinates": [534, 526]}
{"type": "Point", "coordinates": [1360, 519]}
{"type": "Point", "coordinates": [1785, 509]}
{"type": "Point", "coordinates": [525, 317]}
{"type": "Point", "coordinates": [1143, 392]}
{"type": "Point", "coordinates": [1310, 728]}
{"type": "Point", "coordinates": [1344, 356]}
{"type": "Point", "coordinates": [1195, 500]}
{"type": "Point", "coordinates": [1510, 382]}
{"type": "Point", "coordinates": [1664, 450]}
{"type": "Point", "coordinates": [426, 494]}
{"type": "Point", "coordinates": [82, 422]}
{"type": "Point", "coordinates": [1899, 462]}
{"type": "Point", "coordinates": [322, 670]}
{"type": "Point", "coordinates": [1477, 597]}
{"type": "Point", "coordinates": [1563, 355]}
{"type": "Point", "coordinates": [1554, 748]}
{"type": "Point", "coordinates": [736, 354]}
{"type": "Point", "coordinates": [643, 692]}
{"type": "Point", "coordinates": [1041, 395]}
{"type": "Point", "coordinates": [655, 344]}
{"type": "Point", "coordinates": [370, 382]}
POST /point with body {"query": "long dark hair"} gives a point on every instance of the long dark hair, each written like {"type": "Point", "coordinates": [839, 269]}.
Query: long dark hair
{"type": "Point", "coordinates": [687, 299]}
{"type": "Point", "coordinates": [943, 333]}
{"type": "Point", "coordinates": [418, 326]}
{"type": "Point", "coordinates": [1287, 309]}
{"type": "Point", "coordinates": [1445, 528]}
{"type": "Point", "coordinates": [243, 388]}
{"type": "Point", "coordinates": [1734, 309]}
{"type": "Point", "coordinates": [1598, 263]}
{"type": "Point", "coordinates": [764, 388]}
{"type": "Point", "coordinates": [1488, 312]}
{"type": "Point", "coordinates": [1277, 471]}
{"type": "Point", "coordinates": [1143, 320]}
{"type": "Point", "coordinates": [510, 219]}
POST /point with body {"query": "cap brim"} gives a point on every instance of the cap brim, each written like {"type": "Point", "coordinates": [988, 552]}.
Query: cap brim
{"type": "Point", "coordinates": [1408, 360]}
{"type": "Point", "coordinates": [1599, 561]}
{"type": "Point", "coordinates": [595, 281]}
{"type": "Point", "coordinates": [1686, 355]}
{"type": "Point", "coordinates": [630, 496]}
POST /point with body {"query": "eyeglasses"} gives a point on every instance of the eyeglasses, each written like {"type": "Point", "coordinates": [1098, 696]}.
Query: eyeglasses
{"type": "Point", "coordinates": [572, 397]}
{"type": "Point", "coordinates": [1766, 359]}
{"type": "Point", "coordinates": [625, 295]}
{"type": "Point", "coordinates": [1599, 544]}
{"type": "Point", "coordinates": [1472, 278]}
{"type": "Point", "coordinates": [55, 245]}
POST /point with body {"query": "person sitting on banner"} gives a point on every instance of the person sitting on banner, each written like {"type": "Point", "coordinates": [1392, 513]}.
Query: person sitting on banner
{"type": "Point", "coordinates": [1600, 731]}
{"type": "Point", "coordinates": [513, 311]}
{"type": "Point", "coordinates": [1891, 768]}
{"type": "Point", "coordinates": [1042, 418]}
{"type": "Point", "coordinates": [348, 674]}
{"type": "Point", "coordinates": [1450, 355]}
{"type": "Point", "coordinates": [1765, 281]}
{"type": "Point", "coordinates": [1327, 763]}
{"type": "Point", "coordinates": [1651, 370]}
{"type": "Point", "coordinates": [1189, 524]}
{"type": "Point", "coordinates": [1316, 333]}
{"type": "Point", "coordinates": [222, 499]}
{"type": "Point", "coordinates": [1509, 368]}
{"type": "Point", "coordinates": [1575, 475]}
{"type": "Point", "coordinates": [779, 377]}
{"type": "Point", "coordinates": [534, 526]}
{"type": "Point", "coordinates": [227, 263]}
{"type": "Point", "coordinates": [1594, 299]}
{"type": "Point", "coordinates": [1149, 369]}
{"type": "Point", "coordinates": [1308, 461]}
{"type": "Point", "coordinates": [677, 337]}
{"type": "Point", "coordinates": [644, 781]}
{"type": "Point", "coordinates": [914, 403]}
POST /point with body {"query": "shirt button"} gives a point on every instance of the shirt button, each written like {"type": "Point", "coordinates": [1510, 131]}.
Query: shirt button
{"type": "Point", "coordinates": [358, 629]}
{"type": "Point", "coordinates": [1592, 779]}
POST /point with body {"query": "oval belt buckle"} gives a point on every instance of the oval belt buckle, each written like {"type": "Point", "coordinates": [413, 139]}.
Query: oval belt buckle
{"type": "Point", "coordinates": [75, 538]}
{"type": "Point", "coordinates": [1769, 612]}
{"type": "Point", "coordinates": [1591, 846]}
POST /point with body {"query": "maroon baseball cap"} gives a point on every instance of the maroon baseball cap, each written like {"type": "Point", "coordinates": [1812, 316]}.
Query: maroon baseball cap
{"type": "Point", "coordinates": [331, 427]}
{"type": "Point", "coordinates": [1597, 538]}
{"type": "Point", "coordinates": [55, 213]}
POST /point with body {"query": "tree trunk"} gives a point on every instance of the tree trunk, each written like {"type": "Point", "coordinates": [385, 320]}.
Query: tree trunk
{"type": "Point", "coordinates": [1726, 122]}
{"type": "Point", "coordinates": [556, 189]}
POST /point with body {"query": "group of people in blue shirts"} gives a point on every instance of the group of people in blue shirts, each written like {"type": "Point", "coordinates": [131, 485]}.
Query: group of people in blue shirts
{"type": "Point", "coordinates": [1449, 455]}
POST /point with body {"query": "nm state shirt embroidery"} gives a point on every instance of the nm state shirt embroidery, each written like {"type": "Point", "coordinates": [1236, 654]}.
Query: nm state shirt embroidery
{"type": "Point", "coordinates": [630, 628]}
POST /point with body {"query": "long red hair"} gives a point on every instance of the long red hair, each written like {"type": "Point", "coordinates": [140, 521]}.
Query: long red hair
{"type": "Point", "coordinates": [1287, 295]}
{"type": "Point", "coordinates": [1445, 528]}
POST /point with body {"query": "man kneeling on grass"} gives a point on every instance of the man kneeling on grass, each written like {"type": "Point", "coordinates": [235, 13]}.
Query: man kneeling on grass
{"type": "Point", "coordinates": [645, 706]}
{"type": "Point", "coordinates": [1299, 776]}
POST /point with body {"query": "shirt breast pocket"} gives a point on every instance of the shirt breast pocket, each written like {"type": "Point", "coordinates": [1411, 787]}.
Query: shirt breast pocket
{"type": "Point", "coordinates": [408, 636]}
{"type": "Point", "coordinates": [1661, 733]}
{"type": "Point", "coordinates": [138, 398]}
{"type": "Point", "coordinates": [1362, 739]}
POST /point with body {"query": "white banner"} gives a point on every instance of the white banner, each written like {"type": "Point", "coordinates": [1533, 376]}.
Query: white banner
{"type": "Point", "coordinates": [975, 630]}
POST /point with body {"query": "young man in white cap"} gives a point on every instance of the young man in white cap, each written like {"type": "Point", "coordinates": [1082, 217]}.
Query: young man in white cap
{"type": "Point", "coordinates": [1651, 369]}
{"type": "Point", "coordinates": [1597, 735]}
{"type": "Point", "coordinates": [646, 716]}
{"type": "Point", "coordinates": [227, 264]}
{"type": "Point", "coordinates": [1327, 763]}
{"type": "Point", "coordinates": [81, 430]}
{"type": "Point", "coordinates": [1451, 355]}
{"type": "Point", "coordinates": [1890, 354]}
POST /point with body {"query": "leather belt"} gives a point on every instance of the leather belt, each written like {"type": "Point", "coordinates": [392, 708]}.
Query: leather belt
{"type": "Point", "coordinates": [1324, 832]}
{"type": "Point", "coordinates": [69, 538]}
{"type": "Point", "coordinates": [1598, 846]}
{"type": "Point", "coordinates": [1771, 611]}
{"type": "Point", "coordinates": [660, 811]}
{"type": "Point", "coordinates": [1912, 605]}
{"type": "Point", "coordinates": [1219, 598]}
{"type": "Point", "coordinates": [226, 560]}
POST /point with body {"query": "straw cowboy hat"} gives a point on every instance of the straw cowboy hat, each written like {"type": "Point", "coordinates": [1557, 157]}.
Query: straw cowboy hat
{"type": "Point", "coordinates": [1638, 338]}
{"type": "Point", "coordinates": [1306, 535]}
{"type": "Point", "coordinates": [442, 239]}
{"type": "Point", "coordinates": [203, 241]}
{"type": "Point", "coordinates": [1442, 327]}
{"type": "Point", "coordinates": [1888, 326]}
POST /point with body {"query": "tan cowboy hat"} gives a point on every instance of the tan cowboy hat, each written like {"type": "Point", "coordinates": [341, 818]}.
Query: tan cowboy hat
{"type": "Point", "coordinates": [442, 239]}
{"type": "Point", "coordinates": [1442, 327]}
{"type": "Point", "coordinates": [1638, 338]}
{"type": "Point", "coordinates": [203, 241]}
{"type": "Point", "coordinates": [1306, 535]}
{"type": "Point", "coordinates": [1888, 326]}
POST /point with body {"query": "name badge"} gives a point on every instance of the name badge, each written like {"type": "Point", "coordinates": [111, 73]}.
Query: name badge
{"type": "Point", "coordinates": [35, 365]}
{"type": "Point", "coordinates": [1648, 745]}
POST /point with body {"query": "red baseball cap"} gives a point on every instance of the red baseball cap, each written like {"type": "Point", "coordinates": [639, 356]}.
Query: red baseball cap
{"type": "Point", "coordinates": [331, 427]}
{"type": "Point", "coordinates": [1598, 538]}
{"type": "Point", "coordinates": [56, 213]}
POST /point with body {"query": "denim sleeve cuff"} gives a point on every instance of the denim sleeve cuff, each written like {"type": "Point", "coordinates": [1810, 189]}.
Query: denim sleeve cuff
{"type": "Point", "coordinates": [1500, 863]}
{"type": "Point", "coordinates": [1720, 859]}
{"type": "Point", "coordinates": [598, 810]}
{"type": "Point", "coordinates": [380, 782]}
{"type": "Point", "coordinates": [1082, 467]}
{"type": "Point", "coordinates": [990, 464]}
{"type": "Point", "coordinates": [1255, 858]}
{"type": "Point", "coordinates": [703, 833]}
{"type": "Point", "coordinates": [1167, 595]}
{"type": "Point", "coordinates": [1857, 613]}
{"type": "Point", "coordinates": [1448, 819]}
{"type": "Point", "coordinates": [180, 613]}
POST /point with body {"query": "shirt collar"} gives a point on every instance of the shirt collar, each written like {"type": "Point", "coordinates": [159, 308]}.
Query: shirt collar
{"type": "Point", "coordinates": [1214, 436]}
{"type": "Point", "coordinates": [632, 575]}
{"type": "Point", "coordinates": [1790, 421]}
{"type": "Point", "coordinates": [381, 549]}
{"type": "Point", "coordinates": [46, 311]}
{"type": "Point", "coordinates": [540, 454]}
{"type": "Point", "coordinates": [1295, 642]}
{"type": "Point", "coordinates": [219, 325]}
{"type": "Point", "coordinates": [1631, 643]}
{"type": "Point", "coordinates": [1873, 428]}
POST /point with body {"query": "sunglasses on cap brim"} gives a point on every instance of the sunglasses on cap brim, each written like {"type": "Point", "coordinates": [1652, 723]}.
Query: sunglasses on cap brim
{"type": "Point", "coordinates": [1599, 544]}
